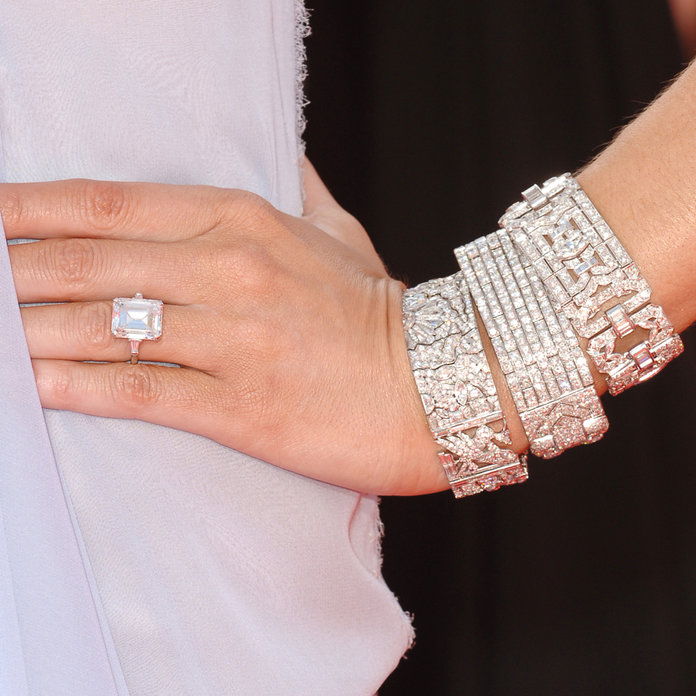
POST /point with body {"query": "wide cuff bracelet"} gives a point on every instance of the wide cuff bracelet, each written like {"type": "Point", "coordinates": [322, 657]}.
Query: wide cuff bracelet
{"type": "Point", "coordinates": [547, 373]}
{"type": "Point", "coordinates": [457, 389]}
{"type": "Point", "coordinates": [592, 281]}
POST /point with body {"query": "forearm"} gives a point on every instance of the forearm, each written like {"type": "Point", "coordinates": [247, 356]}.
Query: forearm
{"type": "Point", "coordinates": [644, 184]}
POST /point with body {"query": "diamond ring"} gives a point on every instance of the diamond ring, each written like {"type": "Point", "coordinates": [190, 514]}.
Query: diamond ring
{"type": "Point", "coordinates": [136, 319]}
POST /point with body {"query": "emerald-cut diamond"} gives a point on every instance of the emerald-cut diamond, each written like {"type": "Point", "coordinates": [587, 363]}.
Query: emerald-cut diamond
{"type": "Point", "coordinates": [136, 318]}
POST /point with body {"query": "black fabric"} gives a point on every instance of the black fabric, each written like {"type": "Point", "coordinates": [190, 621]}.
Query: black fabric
{"type": "Point", "coordinates": [426, 119]}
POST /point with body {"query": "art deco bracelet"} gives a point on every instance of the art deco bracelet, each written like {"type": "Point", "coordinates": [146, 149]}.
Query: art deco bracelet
{"type": "Point", "coordinates": [553, 272]}
{"type": "Point", "coordinates": [544, 367]}
{"type": "Point", "coordinates": [592, 281]}
{"type": "Point", "coordinates": [456, 387]}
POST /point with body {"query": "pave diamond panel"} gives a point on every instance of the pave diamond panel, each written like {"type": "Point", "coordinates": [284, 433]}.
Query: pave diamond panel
{"type": "Point", "coordinates": [136, 318]}
{"type": "Point", "coordinates": [576, 419]}
{"type": "Point", "coordinates": [484, 479]}
{"type": "Point", "coordinates": [456, 387]}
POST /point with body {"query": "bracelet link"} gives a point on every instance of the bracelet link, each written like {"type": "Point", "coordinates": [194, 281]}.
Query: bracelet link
{"type": "Point", "coordinates": [642, 361]}
{"type": "Point", "coordinates": [480, 480]}
{"type": "Point", "coordinates": [535, 197]}
{"type": "Point", "coordinates": [642, 356]}
{"type": "Point", "coordinates": [620, 321]}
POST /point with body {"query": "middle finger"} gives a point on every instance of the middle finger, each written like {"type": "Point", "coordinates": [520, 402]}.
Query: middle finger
{"type": "Point", "coordinates": [55, 270]}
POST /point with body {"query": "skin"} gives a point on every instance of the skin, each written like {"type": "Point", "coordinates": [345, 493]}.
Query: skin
{"type": "Point", "coordinates": [684, 16]}
{"type": "Point", "coordinates": [303, 361]}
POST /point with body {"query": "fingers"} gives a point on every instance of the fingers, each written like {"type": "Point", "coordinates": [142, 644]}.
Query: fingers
{"type": "Point", "coordinates": [55, 270]}
{"type": "Point", "coordinates": [322, 210]}
{"type": "Point", "coordinates": [176, 397]}
{"type": "Point", "coordinates": [82, 331]}
{"type": "Point", "coordinates": [109, 209]}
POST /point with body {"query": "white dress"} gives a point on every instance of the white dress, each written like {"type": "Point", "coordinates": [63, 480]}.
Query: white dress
{"type": "Point", "coordinates": [135, 559]}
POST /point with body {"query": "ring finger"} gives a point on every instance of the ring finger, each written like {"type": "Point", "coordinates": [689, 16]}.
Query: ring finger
{"type": "Point", "coordinates": [82, 331]}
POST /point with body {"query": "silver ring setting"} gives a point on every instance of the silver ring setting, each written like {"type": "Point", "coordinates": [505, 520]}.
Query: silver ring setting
{"type": "Point", "coordinates": [136, 319]}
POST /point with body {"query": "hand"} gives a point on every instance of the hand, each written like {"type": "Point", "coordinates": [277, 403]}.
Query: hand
{"type": "Point", "coordinates": [288, 330]}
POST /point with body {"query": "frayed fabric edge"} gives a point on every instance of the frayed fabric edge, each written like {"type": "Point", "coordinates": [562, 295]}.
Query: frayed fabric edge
{"type": "Point", "coordinates": [302, 31]}
{"type": "Point", "coordinates": [408, 616]}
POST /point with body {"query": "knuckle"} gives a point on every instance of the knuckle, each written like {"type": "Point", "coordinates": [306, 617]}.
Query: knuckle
{"type": "Point", "coordinates": [134, 386]}
{"type": "Point", "coordinates": [74, 261]}
{"type": "Point", "coordinates": [247, 202]}
{"type": "Point", "coordinates": [253, 268]}
{"type": "Point", "coordinates": [90, 322]}
{"type": "Point", "coordinates": [103, 205]}
{"type": "Point", "coordinates": [251, 211]}
{"type": "Point", "coordinates": [256, 269]}
{"type": "Point", "coordinates": [60, 383]}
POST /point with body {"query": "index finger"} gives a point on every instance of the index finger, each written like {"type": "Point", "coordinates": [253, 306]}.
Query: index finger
{"type": "Point", "coordinates": [109, 209]}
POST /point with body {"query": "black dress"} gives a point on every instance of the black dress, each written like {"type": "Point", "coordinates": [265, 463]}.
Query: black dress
{"type": "Point", "coordinates": [427, 119]}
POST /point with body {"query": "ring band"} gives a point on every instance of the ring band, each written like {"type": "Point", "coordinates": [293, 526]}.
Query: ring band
{"type": "Point", "coordinates": [136, 319]}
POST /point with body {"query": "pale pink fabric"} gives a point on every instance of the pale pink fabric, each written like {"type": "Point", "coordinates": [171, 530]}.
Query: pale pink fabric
{"type": "Point", "coordinates": [135, 559]}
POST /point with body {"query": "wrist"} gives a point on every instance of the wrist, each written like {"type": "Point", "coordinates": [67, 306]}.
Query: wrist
{"type": "Point", "coordinates": [417, 467]}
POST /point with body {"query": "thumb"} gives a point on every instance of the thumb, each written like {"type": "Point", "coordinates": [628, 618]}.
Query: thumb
{"type": "Point", "coordinates": [322, 210]}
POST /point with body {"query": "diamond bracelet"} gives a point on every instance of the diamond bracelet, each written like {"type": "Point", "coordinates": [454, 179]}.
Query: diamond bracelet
{"type": "Point", "coordinates": [456, 387]}
{"type": "Point", "coordinates": [592, 281]}
{"type": "Point", "coordinates": [552, 272]}
{"type": "Point", "coordinates": [546, 372]}
{"type": "Point", "coordinates": [576, 417]}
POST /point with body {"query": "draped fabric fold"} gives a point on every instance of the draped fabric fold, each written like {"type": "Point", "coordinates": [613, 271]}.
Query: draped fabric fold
{"type": "Point", "coordinates": [133, 555]}
{"type": "Point", "coordinates": [53, 635]}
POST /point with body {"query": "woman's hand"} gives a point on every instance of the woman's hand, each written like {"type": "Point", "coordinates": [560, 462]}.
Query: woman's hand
{"type": "Point", "coordinates": [288, 331]}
